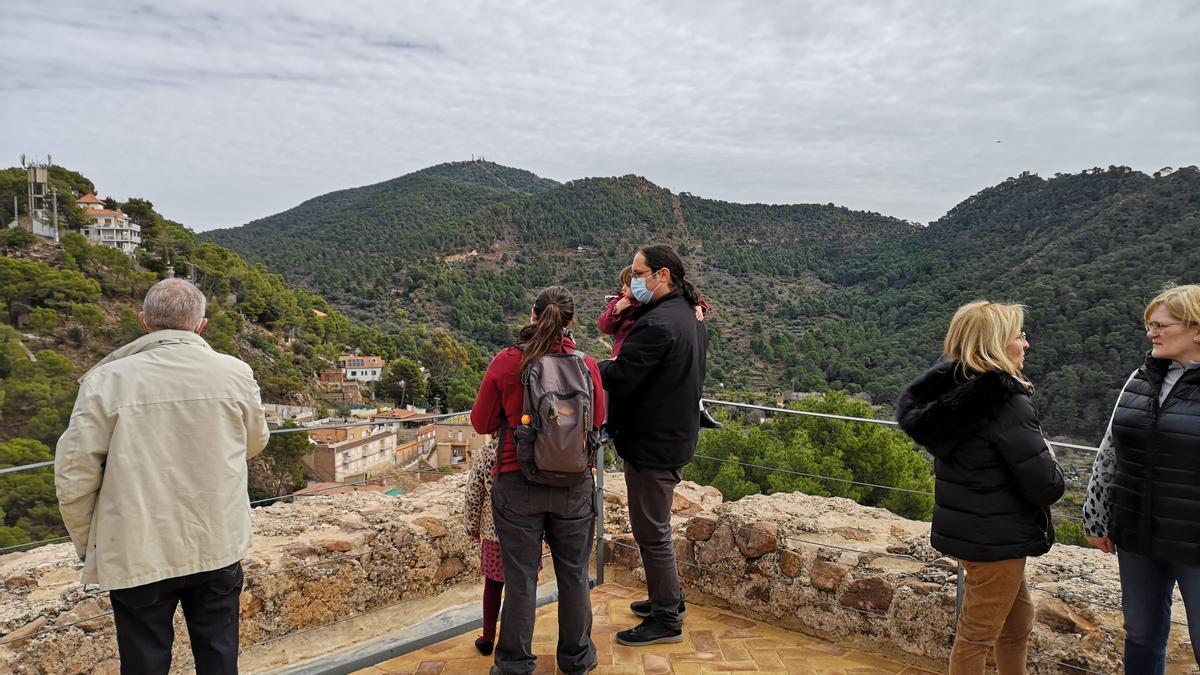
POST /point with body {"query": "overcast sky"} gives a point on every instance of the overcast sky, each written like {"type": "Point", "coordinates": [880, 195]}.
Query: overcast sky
{"type": "Point", "coordinates": [223, 112]}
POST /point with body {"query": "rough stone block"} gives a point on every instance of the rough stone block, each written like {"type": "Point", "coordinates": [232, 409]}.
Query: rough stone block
{"type": "Point", "coordinates": [1056, 615]}
{"type": "Point", "coordinates": [826, 576]}
{"type": "Point", "coordinates": [448, 568]}
{"type": "Point", "coordinates": [757, 539]}
{"type": "Point", "coordinates": [791, 563]}
{"type": "Point", "coordinates": [872, 594]}
{"type": "Point", "coordinates": [718, 547]}
{"type": "Point", "coordinates": [701, 527]}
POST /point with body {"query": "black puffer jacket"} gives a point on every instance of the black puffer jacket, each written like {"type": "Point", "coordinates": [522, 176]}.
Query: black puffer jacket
{"type": "Point", "coordinates": [1156, 493]}
{"type": "Point", "coordinates": [995, 477]}
{"type": "Point", "coordinates": [655, 384]}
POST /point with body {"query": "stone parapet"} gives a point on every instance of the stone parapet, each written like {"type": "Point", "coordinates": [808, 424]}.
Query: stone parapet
{"type": "Point", "coordinates": [867, 578]}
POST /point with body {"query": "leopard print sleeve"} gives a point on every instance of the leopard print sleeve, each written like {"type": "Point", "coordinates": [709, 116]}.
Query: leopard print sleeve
{"type": "Point", "coordinates": [1098, 503]}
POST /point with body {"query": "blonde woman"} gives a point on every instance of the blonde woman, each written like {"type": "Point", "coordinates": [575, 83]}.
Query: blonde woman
{"type": "Point", "coordinates": [996, 478]}
{"type": "Point", "coordinates": [1144, 494]}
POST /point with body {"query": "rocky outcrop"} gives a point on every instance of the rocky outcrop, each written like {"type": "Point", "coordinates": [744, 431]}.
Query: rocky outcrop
{"type": "Point", "coordinates": [866, 577]}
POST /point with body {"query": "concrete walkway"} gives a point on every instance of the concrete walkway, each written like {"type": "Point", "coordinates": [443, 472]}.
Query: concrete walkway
{"type": "Point", "coordinates": [714, 641]}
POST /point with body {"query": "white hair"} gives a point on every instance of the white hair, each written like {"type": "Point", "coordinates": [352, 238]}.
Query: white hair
{"type": "Point", "coordinates": [173, 303]}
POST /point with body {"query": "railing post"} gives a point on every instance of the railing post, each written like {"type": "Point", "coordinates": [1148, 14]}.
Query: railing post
{"type": "Point", "coordinates": [598, 503]}
{"type": "Point", "coordinates": [958, 594]}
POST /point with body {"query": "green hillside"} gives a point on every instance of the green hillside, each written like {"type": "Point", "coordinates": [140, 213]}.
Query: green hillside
{"type": "Point", "coordinates": [806, 297]}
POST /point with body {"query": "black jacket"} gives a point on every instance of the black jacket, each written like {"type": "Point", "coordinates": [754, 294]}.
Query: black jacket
{"type": "Point", "coordinates": [655, 384]}
{"type": "Point", "coordinates": [1156, 491]}
{"type": "Point", "coordinates": [995, 477]}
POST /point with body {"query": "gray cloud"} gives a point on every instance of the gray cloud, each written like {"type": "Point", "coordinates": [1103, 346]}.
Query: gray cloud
{"type": "Point", "coordinates": [221, 112]}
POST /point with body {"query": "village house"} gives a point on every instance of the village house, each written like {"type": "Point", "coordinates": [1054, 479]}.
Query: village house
{"type": "Point", "coordinates": [361, 368]}
{"type": "Point", "coordinates": [457, 441]}
{"type": "Point", "coordinates": [351, 452]}
{"type": "Point", "coordinates": [415, 433]}
{"type": "Point", "coordinates": [109, 227]}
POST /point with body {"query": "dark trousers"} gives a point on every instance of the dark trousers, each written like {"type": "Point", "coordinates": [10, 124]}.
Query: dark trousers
{"type": "Point", "coordinates": [651, 494]}
{"type": "Point", "coordinates": [1147, 585]}
{"type": "Point", "coordinates": [145, 631]}
{"type": "Point", "coordinates": [525, 513]}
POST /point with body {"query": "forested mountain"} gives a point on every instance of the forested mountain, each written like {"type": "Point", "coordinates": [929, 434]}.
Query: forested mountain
{"type": "Point", "coordinates": [402, 252]}
{"type": "Point", "coordinates": [806, 297]}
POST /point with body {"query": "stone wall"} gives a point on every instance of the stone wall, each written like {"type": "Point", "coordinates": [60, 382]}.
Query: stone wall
{"type": "Point", "coordinates": [312, 562]}
{"type": "Point", "coordinates": [868, 578]}
{"type": "Point", "coordinates": [827, 567]}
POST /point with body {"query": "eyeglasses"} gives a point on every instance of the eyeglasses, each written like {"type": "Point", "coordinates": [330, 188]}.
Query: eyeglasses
{"type": "Point", "coordinates": [639, 275]}
{"type": "Point", "coordinates": [1022, 336]}
{"type": "Point", "coordinates": [1155, 327]}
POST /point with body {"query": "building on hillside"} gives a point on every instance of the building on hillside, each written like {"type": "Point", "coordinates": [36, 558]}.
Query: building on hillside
{"type": "Point", "coordinates": [108, 227]}
{"type": "Point", "coordinates": [415, 433]}
{"type": "Point", "coordinates": [456, 441]}
{"type": "Point", "coordinates": [278, 413]}
{"type": "Point", "coordinates": [350, 453]}
{"type": "Point", "coordinates": [361, 368]}
{"type": "Point", "coordinates": [41, 203]}
{"type": "Point", "coordinates": [331, 376]}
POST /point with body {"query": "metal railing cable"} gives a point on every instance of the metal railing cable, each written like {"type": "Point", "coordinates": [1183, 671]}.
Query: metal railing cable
{"type": "Point", "coordinates": [869, 420]}
{"type": "Point", "coordinates": [774, 469]}
{"type": "Point", "coordinates": [34, 544]}
{"type": "Point", "coordinates": [292, 430]}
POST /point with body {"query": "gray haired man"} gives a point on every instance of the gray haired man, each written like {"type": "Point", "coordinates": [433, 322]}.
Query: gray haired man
{"type": "Point", "coordinates": [151, 479]}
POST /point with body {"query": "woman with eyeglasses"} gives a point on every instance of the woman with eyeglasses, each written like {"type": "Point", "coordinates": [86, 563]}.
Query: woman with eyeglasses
{"type": "Point", "coordinates": [996, 478]}
{"type": "Point", "coordinates": [1143, 499]}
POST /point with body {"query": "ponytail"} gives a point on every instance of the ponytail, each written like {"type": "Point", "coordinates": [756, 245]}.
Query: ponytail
{"type": "Point", "coordinates": [554, 310]}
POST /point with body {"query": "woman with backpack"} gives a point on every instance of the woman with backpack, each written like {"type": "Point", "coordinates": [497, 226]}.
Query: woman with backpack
{"type": "Point", "coordinates": [996, 478]}
{"type": "Point", "coordinates": [526, 511]}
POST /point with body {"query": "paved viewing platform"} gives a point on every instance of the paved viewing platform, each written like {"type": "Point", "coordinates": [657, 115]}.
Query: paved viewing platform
{"type": "Point", "coordinates": [715, 641]}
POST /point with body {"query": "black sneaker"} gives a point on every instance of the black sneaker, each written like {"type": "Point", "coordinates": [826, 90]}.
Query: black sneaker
{"type": "Point", "coordinates": [650, 632]}
{"type": "Point", "coordinates": [642, 608]}
{"type": "Point", "coordinates": [707, 420]}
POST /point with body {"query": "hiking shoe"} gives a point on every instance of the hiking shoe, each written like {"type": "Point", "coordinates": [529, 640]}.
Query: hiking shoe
{"type": "Point", "coordinates": [707, 421]}
{"type": "Point", "coordinates": [649, 632]}
{"type": "Point", "coordinates": [642, 608]}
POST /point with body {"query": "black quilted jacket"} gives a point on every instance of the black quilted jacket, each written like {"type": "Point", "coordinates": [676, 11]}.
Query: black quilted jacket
{"type": "Point", "coordinates": [995, 477]}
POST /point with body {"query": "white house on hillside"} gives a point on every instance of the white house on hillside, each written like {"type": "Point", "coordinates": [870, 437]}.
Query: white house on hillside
{"type": "Point", "coordinates": [109, 227]}
{"type": "Point", "coordinates": [361, 368]}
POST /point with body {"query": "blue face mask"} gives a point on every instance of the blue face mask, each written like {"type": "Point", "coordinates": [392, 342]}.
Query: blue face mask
{"type": "Point", "coordinates": [640, 293]}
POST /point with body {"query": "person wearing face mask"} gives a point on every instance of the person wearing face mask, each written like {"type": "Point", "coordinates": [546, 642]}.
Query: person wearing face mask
{"type": "Point", "coordinates": [618, 318]}
{"type": "Point", "coordinates": [996, 478]}
{"type": "Point", "coordinates": [655, 384]}
{"type": "Point", "coordinates": [1143, 500]}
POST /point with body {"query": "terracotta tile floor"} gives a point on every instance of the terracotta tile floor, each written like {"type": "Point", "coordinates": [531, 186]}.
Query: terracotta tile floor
{"type": "Point", "coordinates": [714, 641]}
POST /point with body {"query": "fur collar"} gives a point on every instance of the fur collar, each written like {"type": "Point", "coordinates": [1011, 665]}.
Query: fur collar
{"type": "Point", "coordinates": [942, 406]}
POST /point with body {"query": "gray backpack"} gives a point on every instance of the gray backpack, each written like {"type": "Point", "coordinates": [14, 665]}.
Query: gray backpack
{"type": "Point", "coordinates": [556, 441]}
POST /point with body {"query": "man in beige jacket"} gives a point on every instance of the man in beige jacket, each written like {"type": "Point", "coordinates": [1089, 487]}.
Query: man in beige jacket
{"type": "Point", "coordinates": [151, 480]}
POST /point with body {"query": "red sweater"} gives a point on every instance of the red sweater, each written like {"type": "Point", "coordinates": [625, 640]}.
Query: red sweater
{"type": "Point", "coordinates": [617, 324]}
{"type": "Point", "coordinates": [502, 386]}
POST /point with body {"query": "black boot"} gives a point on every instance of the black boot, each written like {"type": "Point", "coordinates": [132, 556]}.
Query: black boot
{"type": "Point", "coordinates": [707, 420]}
